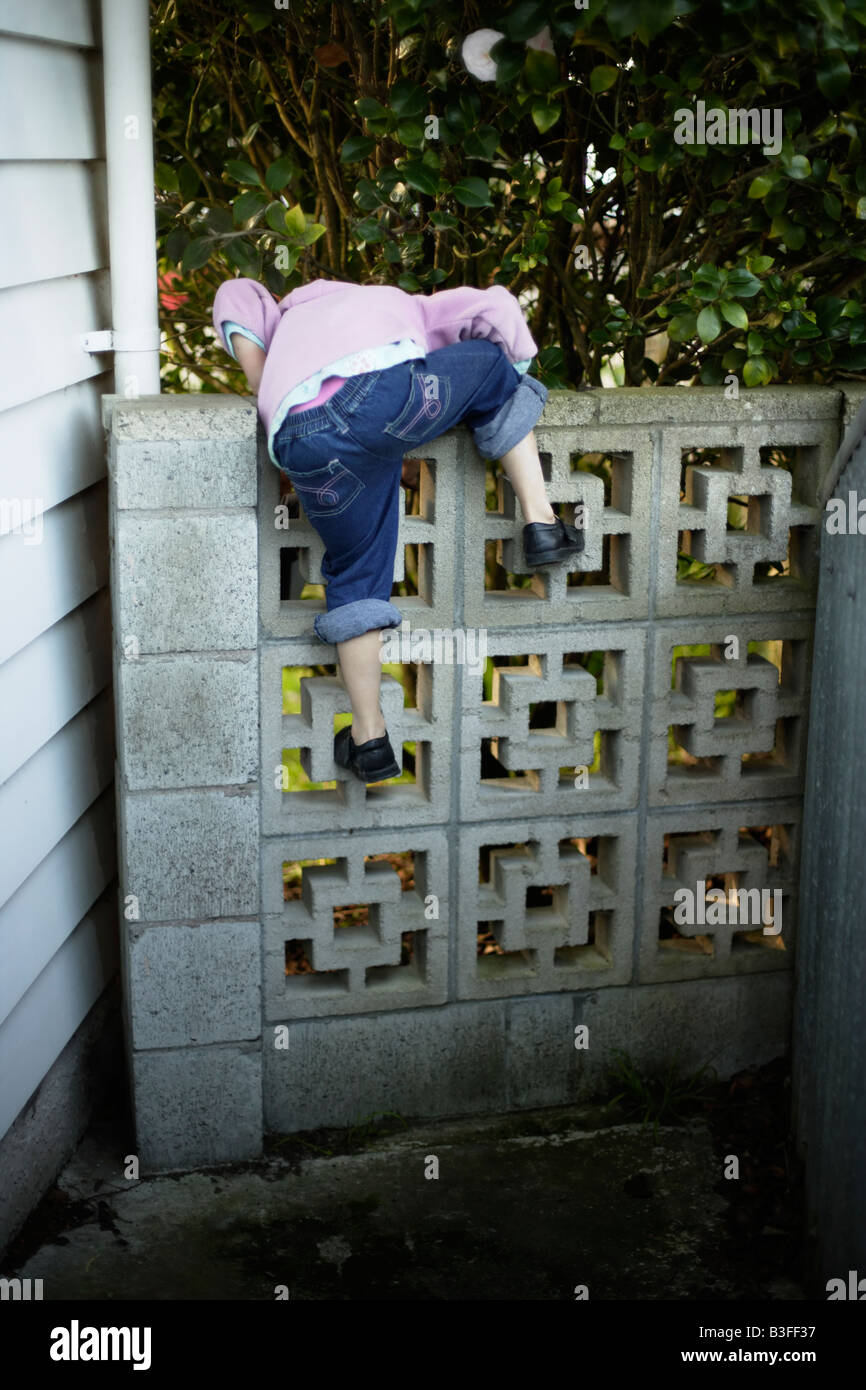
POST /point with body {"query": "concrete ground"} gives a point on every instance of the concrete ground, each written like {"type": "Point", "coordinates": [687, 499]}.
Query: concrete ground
{"type": "Point", "coordinates": [525, 1207]}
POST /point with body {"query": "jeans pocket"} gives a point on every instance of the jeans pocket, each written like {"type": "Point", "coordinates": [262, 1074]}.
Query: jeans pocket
{"type": "Point", "coordinates": [423, 414]}
{"type": "Point", "coordinates": [326, 491]}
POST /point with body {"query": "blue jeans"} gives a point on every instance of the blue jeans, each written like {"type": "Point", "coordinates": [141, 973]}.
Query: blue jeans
{"type": "Point", "coordinates": [345, 459]}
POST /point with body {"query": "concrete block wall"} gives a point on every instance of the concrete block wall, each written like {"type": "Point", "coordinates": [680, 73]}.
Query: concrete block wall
{"type": "Point", "coordinates": [184, 542]}
{"type": "Point", "coordinates": [453, 930]}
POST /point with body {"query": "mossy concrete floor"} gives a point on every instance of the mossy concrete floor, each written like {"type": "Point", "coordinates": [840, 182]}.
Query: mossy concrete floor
{"type": "Point", "coordinates": [525, 1207]}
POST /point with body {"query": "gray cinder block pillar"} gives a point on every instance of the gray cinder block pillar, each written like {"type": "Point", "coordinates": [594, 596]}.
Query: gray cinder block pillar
{"type": "Point", "coordinates": [184, 596]}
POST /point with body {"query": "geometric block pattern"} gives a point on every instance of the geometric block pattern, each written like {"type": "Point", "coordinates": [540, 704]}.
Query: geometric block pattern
{"type": "Point", "coordinates": [611, 696]}
{"type": "Point", "coordinates": [355, 937]}
{"type": "Point", "coordinates": [756, 745]}
{"type": "Point", "coordinates": [751, 523]}
{"type": "Point", "coordinates": [548, 715]}
{"type": "Point", "coordinates": [344, 802]}
{"type": "Point", "coordinates": [736, 850]}
{"type": "Point", "coordinates": [545, 905]}
{"type": "Point", "coordinates": [608, 580]}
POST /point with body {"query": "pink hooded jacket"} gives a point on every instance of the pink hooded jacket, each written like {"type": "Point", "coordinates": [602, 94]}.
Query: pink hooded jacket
{"type": "Point", "coordinates": [325, 320]}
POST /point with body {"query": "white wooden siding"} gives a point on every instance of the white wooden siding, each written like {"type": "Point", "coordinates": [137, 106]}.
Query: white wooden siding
{"type": "Point", "coordinates": [58, 890]}
{"type": "Point", "coordinates": [49, 229]}
{"type": "Point", "coordinates": [38, 1029]}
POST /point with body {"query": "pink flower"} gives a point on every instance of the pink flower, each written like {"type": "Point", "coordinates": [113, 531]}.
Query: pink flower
{"type": "Point", "coordinates": [476, 53]}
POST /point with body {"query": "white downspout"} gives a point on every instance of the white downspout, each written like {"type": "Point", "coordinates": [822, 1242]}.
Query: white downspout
{"type": "Point", "coordinates": [134, 335]}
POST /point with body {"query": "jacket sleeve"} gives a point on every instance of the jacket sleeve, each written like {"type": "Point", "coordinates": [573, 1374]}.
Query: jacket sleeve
{"type": "Point", "coordinates": [246, 307]}
{"type": "Point", "coordinates": [495, 314]}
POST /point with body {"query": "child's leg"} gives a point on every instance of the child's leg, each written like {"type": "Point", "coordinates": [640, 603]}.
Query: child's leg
{"type": "Point", "coordinates": [523, 469]}
{"type": "Point", "coordinates": [361, 670]}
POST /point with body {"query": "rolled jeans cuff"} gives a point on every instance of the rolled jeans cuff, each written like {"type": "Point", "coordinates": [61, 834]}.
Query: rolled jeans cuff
{"type": "Point", "coordinates": [513, 422]}
{"type": "Point", "coordinates": [354, 619]}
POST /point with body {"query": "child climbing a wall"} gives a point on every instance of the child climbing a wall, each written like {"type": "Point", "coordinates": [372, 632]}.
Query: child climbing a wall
{"type": "Point", "coordinates": [349, 378]}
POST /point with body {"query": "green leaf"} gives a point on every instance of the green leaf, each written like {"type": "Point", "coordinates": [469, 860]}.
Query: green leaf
{"type": "Point", "coordinates": [526, 20]}
{"type": "Point", "coordinates": [742, 284]}
{"type": "Point", "coordinates": [407, 99]}
{"type": "Point", "coordinates": [177, 241]}
{"type": "Point", "coordinates": [756, 371]}
{"type": "Point", "coordinates": [247, 260]}
{"type": "Point", "coordinates": [798, 167]}
{"type": "Point", "coordinates": [356, 148]}
{"type": "Point", "coordinates": [601, 78]}
{"type": "Point", "coordinates": [289, 257]}
{"type": "Point", "coordinates": [410, 134]}
{"type": "Point", "coordinates": [832, 206]}
{"type": "Point", "coordinates": [312, 232]}
{"type": "Point", "coordinates": [481, 143]}
{"type": "Point", "coordinates": [240, 171]}
{"type": "Point", "coordinates": [370, 109]}
{"type": "Point", "coordinates": [280, 173]}
{"type": "Point", "coordinates": [541, 69]}
{"type": "Point", "coordinates": [857, 333]}
{"type": "Point", "coordinates": [219, 220]}
{"type": "Point", "coordinates": [734, 313]}
{"type": "Point", "coordinates": [733, 359]}
{"type": "Point", "coordinates": [833, 11]}
{"type": "Point", "coordinates": [274, 279]}
{"type": "Point", "coordinates": [444, 221]}
{"type": "Point", "coordinates": [755, 344]}
{"type": "Point", "coordinates": [166, 178]}
{"type": "Point", "coordinates": [295, 221]}
{"type": "Point", "coordinates": [760, 186]}
{"type": "Point", "coordinates": [409, 282]}
{"type": "Point", "coordinates": [792, 235]}
{"type": "Point", "coordinates": [197, 254]}
{"type": "Point", "coordinates": [544, 117]}
{"type": "Point", "coordinates": [509, 59]}
{"type": "Point", "coordinates": [419, 176]}
{"type": "Point", "coordinates": [834, 75]}
{"type": "Point", "coordinates": [246, 206]}
{"type": "Point", "coordinates": [472, 193]}
{"type": "Point", "coordinates": [708, 282]}
{"type": "Point", "coordinates": [759, 264]}
{"type": "Point", "coordinates": [188, 181]}
{"type": "Point", "coordinates": [646, 18]}
{"type": "Point", "coordinates": [617, 141]}
{"type": "Point", "coordinates": [275, 216]}
{"type": "Point", "coordinates": [641, 131]}
{"type": "Point", "coordinates": [368, 230]}
{"type": "Point", "coordinates": [709, 324]}
{"type": "Point", "coordinates": [682, 328]}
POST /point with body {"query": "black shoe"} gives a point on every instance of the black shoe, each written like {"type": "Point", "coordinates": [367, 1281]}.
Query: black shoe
{"type": "Point", "coordinates": [546, 543]}
{"type": "Point", "coordinates": [373, 761]}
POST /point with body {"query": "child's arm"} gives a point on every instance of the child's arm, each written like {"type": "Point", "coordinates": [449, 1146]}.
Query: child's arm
{"type": "Point", "coordinates": [251, 358]}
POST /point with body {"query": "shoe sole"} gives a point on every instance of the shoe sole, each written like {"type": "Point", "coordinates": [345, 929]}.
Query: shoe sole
{"type": "Point", "coordinates": [380, 776]}
{"type": "Point", "coordinates": [553, 557]}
